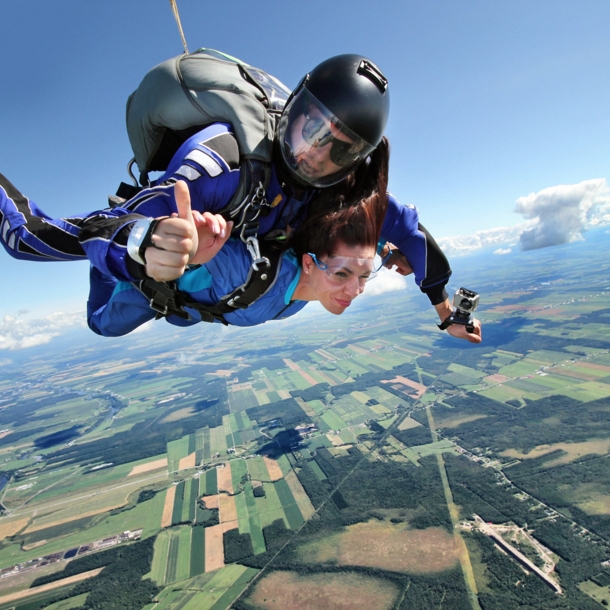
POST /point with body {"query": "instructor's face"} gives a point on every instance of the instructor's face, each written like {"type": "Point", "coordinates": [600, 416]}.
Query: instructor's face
{"type": "Point", "coordinates": [313, 155]}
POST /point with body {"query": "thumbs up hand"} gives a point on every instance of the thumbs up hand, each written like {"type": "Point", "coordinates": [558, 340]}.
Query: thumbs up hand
{"type": "Point", "coordinates": [183, 238]}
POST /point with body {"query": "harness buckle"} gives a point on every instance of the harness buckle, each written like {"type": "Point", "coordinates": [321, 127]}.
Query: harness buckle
{"type": "Point", "coordinates": [254, 250]}
{"type": "Point", "coordinates": [158, 307]}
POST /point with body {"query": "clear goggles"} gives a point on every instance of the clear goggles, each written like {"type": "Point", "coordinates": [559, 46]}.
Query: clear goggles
{"type": "Point", "coordinates": [340, 270]}
{"type": "Point", "coordinates": [308, 129]}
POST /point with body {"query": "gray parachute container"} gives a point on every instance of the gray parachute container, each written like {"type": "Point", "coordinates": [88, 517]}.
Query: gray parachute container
{"type": "Point", "coordinates": [184, 94]}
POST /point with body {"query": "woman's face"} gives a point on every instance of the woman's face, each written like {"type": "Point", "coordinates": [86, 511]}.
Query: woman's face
{"type": "Point", "coordinates": [345, 278]}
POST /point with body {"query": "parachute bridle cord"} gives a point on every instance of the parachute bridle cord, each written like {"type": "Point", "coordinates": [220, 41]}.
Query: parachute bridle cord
{"type": "Point", "coordinates": [177, 18]}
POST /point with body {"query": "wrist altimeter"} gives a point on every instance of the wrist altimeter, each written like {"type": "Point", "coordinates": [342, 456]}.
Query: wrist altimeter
{"type": "Point", "coordinates": [140, 238]}
{"type": "Point", "coordinates": [464, 302]}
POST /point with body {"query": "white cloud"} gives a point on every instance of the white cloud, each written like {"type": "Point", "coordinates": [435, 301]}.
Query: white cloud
{"type": "Point", "coordinates": [144, 328]}
{"type": "Point", "coordinates": [503, 251]}
{"type": "Point", "coordinates": [555, 215]}
{"type": "Point", "coordinates": [562, 213]}
{"type": "Point", "coordinates": [467, 244]}
{"type": "Point", "coordinates": [18, 332]}
{"type": "Point", "coordinates": [386, 281]}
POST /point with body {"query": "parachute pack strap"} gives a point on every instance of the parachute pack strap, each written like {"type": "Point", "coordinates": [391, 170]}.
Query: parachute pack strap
{"type": "Point", "coordinates": [250, 199]}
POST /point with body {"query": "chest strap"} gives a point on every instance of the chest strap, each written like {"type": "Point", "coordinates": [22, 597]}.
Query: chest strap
{"type": "Point", "coordinates": [167, 300]}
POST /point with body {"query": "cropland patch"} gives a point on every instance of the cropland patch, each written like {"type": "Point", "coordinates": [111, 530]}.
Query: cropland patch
{"type": "Point", "coordinates": [573, 451]}
{"type": "Point", "coordinates": [8, 528]}
{"type": "Point", "coordinates": [407, 423]}
{"type": "Point", "coordinates": [188, 462]}
{"type": "Point", "coordinates": [211, 501]}
{"type": "Point", "coordinates": [344, 591]}
{"type": "Point", "coordinates": [214, 550]}
{"type": "Point", "coordinates": [275, 472]}
{"type": "Point", "coordinates": [228, 510]}
{"type": "Point", "coordinates": [225, 480]}
{"type": "Point", "coordinates": [53, 585]}
{"type": "Point", "coordinates": [168, 507]}
{"type": "Point", "coordinates": [387, 546]}
{"type": "Point", "coordinates": [418, 390]}
{"type": "Point", "coordinates": [178, 415]}
{"type": "Point", "coordinates": [458, 420]}
{"type": "Point", "coordinates": [156, 465]}
{"type": "Point", "coordinates": [496, 378]}
{"type": "Point", "coordinates": [300, 495]}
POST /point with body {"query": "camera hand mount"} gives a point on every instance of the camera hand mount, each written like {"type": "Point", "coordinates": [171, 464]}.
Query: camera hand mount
{"type": "Point", "coordinates": [465, 302]}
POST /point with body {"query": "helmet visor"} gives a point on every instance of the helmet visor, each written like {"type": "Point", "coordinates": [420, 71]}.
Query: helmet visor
{"type": "Point", "coordinates": [316, 145]}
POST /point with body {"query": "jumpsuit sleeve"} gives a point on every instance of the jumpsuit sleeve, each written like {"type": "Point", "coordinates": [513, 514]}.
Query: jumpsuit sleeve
{"type": "Point", "coordinates": [431, 268]}
{"type": "Point", "coordinates": [208, 163]}
{"type": "Point", "coordinates": [27, 233]}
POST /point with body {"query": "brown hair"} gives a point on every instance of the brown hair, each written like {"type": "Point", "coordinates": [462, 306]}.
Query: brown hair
{"type": "Point", "coordinates": [351, 212]}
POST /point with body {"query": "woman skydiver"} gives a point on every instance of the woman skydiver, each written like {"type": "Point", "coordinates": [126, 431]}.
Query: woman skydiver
{"type": "Point", "coordinates": [328, 259]}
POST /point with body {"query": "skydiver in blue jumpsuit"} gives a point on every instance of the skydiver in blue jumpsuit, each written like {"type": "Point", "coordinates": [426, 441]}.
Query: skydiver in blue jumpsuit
{"type": "Point", "coordinates": [329, 138]}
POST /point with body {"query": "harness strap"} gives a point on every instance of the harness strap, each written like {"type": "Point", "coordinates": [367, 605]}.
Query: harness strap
{"type": "Point", "coordinates": [167, 300]}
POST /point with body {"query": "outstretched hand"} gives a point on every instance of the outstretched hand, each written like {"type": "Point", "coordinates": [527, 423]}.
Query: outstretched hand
{"type": "Point", "coordinates": [397, 259]}
{"type": "Point", "coordinates": [460, 332]}
{"type": "Point", "coordinates": [184, 238]}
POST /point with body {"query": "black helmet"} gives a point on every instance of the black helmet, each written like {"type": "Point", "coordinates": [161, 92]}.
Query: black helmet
{"type": "Point", "coordinates": [334, 119]}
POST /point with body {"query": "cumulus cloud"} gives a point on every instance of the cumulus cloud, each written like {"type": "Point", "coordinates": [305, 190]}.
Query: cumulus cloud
{"type": "Point", "coordinates": [467, 244]}
{"type": "Point", "coordinates": [562, 213]}
{"type": "Point", "coordinates": [555, 215]}
{"type": "Point", "coordinates": [18, 332]}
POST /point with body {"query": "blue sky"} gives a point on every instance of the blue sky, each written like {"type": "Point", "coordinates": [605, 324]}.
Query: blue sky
{"type": "Point", "coordinates": [491, 102]}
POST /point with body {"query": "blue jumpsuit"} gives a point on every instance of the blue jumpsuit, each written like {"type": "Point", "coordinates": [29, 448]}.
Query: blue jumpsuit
{"type": "Point", "coordinates": [116, 308]}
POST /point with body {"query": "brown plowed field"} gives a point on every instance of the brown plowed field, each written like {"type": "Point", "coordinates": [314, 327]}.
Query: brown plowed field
{"type": "Point", "coordinates": [275, 472]}
{"type": "Point", "coordinates": [12, 527]}
{"type": "Point", "coordinates": [52, 585]}
{"type": "Point", "coordinates": [307, 377]}
{"type": "Point", "coordinates": [211, 501]}
{"type": "Point", "coordinates": [300, 495]}
{"type": "Point", "coordinates": [496, 378]}
{"type": "Point", "coordinates": [225, 481]}
{"type": "Point", "coordinates": [346, 591]}
{"type": "Point", "coordinates": [228, 510]}
{"type": "Point", "coordinates": [293, 366]}
{"type": "Point", "coordinates": [187, 462]}
{"type": "Point", "coordinates": [148, 467]}
{"type": "Point", "coordinates": [386, 546]}
{"type": "Point", "coordinates": [597, 367]}
{"type": "Point", "coordinates": [408, 423]}
{"type": "Point", "coordinates": [168, 507]}
{"type": "Point", "coordinates": [418, 387]}
{"type": "Point", "coordinates": [214, 550]}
